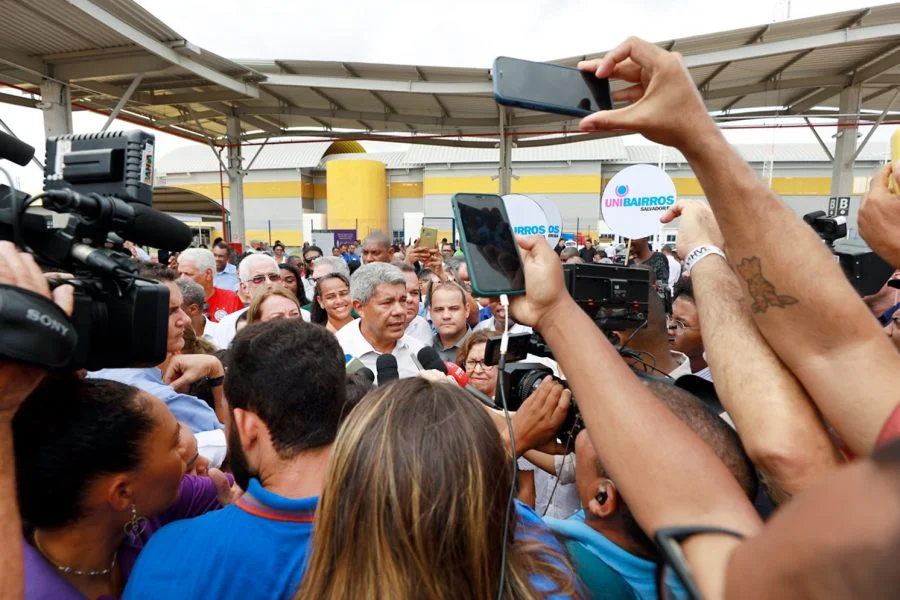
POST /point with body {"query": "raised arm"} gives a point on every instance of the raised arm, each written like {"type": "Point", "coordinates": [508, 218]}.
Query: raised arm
{"type": "Point", "coordinates": [778, 424]}
{"type": "Point", "coordinates": [801, 301]}
{"type": "Point", "coordinates": [667, 474]}
{"type": "Point", "coordinates": [17, 381]}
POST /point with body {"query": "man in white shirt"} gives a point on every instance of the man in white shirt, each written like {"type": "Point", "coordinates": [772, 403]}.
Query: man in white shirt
{"type": "Point", "coordinates": [497, 321]}
{"type": "Point", "coordinates": [193, 300]}
{"type": "Point", "coordinates": [378, 291]}
{"type": "Point", "coordinates": [417, 327]}
{"type": "Point", "coordinates": [674, 267]}
{"type": "Point", "coordinates": [256, 271]}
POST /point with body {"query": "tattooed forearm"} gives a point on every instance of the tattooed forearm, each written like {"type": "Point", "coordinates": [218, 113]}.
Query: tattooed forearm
{"type": "Point", "coordinates": [762, 292]}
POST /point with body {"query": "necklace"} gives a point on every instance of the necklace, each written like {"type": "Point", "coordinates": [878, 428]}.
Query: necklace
{"type": "Point", "coordinates": [70, 570]}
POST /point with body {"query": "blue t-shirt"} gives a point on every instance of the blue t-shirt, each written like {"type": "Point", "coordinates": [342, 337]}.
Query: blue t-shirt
{"type": "Point", "coordinates": [190, 410]}
{"type": "Point", "coordinates": [531, 527]}
{"type": "Point", "coordinates": [254, 548]}
{"type": "Point", "coordinates": [639, 573]}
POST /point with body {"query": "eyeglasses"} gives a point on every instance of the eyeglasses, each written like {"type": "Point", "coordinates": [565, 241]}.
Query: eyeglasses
{"type": "Point", "coordinates": [677, 325]}
{"type": "Point", "coordinates": [261, 279]}
{"type": "Point", "coordinates": [471, 365]}
{"type": "Point", "coordinates": [674, 578]}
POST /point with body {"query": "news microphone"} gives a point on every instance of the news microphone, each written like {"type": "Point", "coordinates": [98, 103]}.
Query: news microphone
{"type": "Point", "coordinates": [462, 379]}
{"type": "Point", "coordinates": [135, 222]}
{"type": "Point", "coordinates": [15, 150]}
{"type": "Point", "coordinates": [367, 374]}
{"type": "Point", "coordinates": [386, 367]}
{"type": "Point", "coordinates": [431, 360]}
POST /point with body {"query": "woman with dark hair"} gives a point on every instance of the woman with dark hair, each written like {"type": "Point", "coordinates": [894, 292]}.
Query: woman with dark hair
{"type": "Point", "coordinates": [99, 469]}
{"type": "Point", "coordinates": [331, 304]}
{"type": "Point", "coordinates": [291, 279]}
{"type": "Point", "coordinates": [415, 502]}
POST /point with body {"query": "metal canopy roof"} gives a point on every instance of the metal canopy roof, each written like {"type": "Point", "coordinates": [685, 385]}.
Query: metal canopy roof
{"type": "Point", "coordinates": [172, 199]}
{"type": "Point", "coordinates": [101, 46]}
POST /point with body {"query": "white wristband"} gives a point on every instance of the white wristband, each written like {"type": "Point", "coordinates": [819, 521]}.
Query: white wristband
{"type": "Point", "coordinates": [700, 253]}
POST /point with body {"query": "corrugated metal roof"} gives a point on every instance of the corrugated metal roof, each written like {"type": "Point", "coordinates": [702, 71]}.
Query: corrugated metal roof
{"type": "Point", "coordinates": [200, 159]}
{"type": "Point", "coordinates": [773, 69]}
{"type": "Point", "coordinates": [606, 149]}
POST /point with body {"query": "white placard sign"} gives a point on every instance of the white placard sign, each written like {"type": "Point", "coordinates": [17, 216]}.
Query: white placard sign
{"type": "Point", "coordinates": [554, 219]}
{"type": "Point", "coordinates": [634, 200]}
{"type": "Point", "coordinates": [528, 217]}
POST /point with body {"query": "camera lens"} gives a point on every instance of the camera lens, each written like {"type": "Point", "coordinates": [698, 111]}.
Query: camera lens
{"type": "Point", "coordinates": [530, 382]}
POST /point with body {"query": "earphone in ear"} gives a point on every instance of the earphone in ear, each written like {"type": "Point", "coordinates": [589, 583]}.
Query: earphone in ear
{"type": "Point", "coordinates": [602, 495]}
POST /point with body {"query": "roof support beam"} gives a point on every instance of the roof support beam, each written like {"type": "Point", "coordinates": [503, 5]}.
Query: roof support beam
{"type": "Point", "coordinates": [17, 100]}
{"type": "Point", "coordinates": [391, 118]}
{"type": "Point", "coordinates": [888, 60]}
{"type": "Point", "coordinates": [811, 42]}
{"type": "Point", "coordinates": [122, 101]}
{"type": "Point", "coordinates": [878, 121]}
{"type": "Point", "coordinates": [820, 140]}
{"type": "Point", "coordinates": [380, 85]}
{"type": "Point", "coordinates": [162, 50]}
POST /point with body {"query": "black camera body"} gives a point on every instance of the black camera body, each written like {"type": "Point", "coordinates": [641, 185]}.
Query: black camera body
{"type": "Point", "coordinates": [521, 379]}
{"type": "Point", "coordinates": [103, 182]}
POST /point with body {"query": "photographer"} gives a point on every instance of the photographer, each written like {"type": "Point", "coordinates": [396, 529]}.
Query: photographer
{"type": "Point", "coordinates": [17, 381]}
{"type": "Point", "coordinates": [177, 371]}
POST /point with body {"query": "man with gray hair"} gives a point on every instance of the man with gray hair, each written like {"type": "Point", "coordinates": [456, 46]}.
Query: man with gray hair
{"type": "Point", "coordinates": [193, 301]}
{"type": "Point", "coordinates": [378, 292]}
{"type": "Point", "coordinates": [326, 265]}
{"type": "Point", "coordinates": [199, 265]}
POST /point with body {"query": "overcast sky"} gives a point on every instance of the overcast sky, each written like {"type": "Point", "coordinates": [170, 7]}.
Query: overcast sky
{"type": "Point", "coordinates": [468, 33]}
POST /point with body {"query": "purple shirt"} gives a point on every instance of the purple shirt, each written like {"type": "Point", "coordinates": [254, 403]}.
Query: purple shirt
{"type": "Point", "coordinates": [42, 580]}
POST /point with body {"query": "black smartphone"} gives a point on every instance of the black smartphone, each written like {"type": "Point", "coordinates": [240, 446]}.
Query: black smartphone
{"type": "Point", "coordinates": [549, 88]}
{"type": "Point", "coordinates": [489, 246]}
{"type": "Point", "coordinates": [516, 350]}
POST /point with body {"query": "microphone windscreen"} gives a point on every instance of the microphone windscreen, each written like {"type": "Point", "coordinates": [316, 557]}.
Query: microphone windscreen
{"type": "Point", "coordinates": [386, 368]}
{"type": "Point", "coordinates": [431, 360]}
{"type": "Point", "coordinates": [15, 150]}
{"type": "Point", "coordinates": [157, 229]}
{"type": "Point", "coordinates": [366, 373]}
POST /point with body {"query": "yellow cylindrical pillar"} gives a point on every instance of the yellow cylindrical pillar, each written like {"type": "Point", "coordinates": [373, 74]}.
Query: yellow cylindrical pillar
{"type": "Point", "coordinates": [357, 194]}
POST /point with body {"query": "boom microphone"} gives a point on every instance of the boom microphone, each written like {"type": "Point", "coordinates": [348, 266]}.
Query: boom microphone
{"type": "Point", "coordinates": [15, 150]}
{"type": "Point", "coordinates": [386, 367]}
{"type": "Point", "coordinates": [135, 222]}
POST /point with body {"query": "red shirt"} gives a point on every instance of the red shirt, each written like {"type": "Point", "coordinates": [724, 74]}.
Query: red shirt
{"type": "Point", "coordinates": [222, 303]}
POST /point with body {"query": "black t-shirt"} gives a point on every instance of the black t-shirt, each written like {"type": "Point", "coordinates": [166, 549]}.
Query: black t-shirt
{"type": "Point", "coordinates": [588, 254]}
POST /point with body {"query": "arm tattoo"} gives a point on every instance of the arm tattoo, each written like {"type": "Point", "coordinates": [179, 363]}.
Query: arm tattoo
{"type": "Point", "coordinates": [762, 292]}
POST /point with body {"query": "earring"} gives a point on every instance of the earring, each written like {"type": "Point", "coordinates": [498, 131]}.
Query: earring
{"type": "Point", "coordinates": [135, 527]}
{"type": "Point", "coordinates": [602, 495]}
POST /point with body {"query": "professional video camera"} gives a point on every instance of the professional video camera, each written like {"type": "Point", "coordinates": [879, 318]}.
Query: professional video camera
{"type": "Point", "coordinates": [103, 184]}
{"type": "Point", "coordinates": [616, 297]}
{"type": "Point", "coordinates": [866, 270]}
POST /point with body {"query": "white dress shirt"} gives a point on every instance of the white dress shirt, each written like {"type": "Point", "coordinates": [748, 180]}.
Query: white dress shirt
{"type": "Point", "coordinates": [357, 346]}
{"type": "Point", "coordinates": [420, 330]}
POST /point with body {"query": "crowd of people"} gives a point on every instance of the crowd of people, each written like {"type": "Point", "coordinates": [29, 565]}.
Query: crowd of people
{"type": "Point", "coordinates": [741, 443]}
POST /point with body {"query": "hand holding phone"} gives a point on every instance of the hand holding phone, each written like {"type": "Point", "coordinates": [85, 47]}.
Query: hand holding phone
{"type": "Point", "coordinates": [428, 238]}
{"type": "Point", "coordinates": [489, 246]}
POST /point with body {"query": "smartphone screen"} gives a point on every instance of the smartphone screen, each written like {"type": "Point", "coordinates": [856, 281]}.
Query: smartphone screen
{"type": "Point", "coordinates": [549, 88]}
{"type": "Point", "coordinates": [490, 248]}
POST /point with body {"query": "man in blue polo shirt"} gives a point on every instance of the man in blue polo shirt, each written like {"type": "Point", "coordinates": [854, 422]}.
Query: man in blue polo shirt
{"type": "Point", "coordinates": [283, 422]}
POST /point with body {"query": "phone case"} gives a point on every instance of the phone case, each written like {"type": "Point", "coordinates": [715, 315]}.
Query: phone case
{"type": "Point", "coordinates": [539, 107]}
{"type": "Point", "coordinates": [476, 289]}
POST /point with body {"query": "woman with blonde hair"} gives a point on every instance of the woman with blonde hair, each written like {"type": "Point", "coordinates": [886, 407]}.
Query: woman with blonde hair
{"type": "Point", "coordinates": [273, 302]}
{"type": "Point", "coordinates": [415, 506]}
